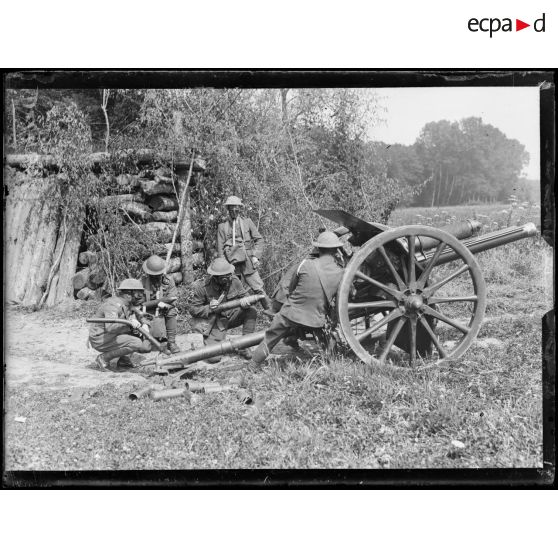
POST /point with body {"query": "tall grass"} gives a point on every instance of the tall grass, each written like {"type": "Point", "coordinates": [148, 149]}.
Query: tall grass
{"type": "Point", "coordinates": [492, 217]}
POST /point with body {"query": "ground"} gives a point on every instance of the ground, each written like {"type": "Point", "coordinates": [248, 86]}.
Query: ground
{"type": "Point", "coordinates": [484, 410]}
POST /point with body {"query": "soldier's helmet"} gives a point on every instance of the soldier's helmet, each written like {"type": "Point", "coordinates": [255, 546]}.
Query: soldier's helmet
{"type": "Point", "coordinates": [130, 285]}
{"type": "Point", "coordinates": [233, 200]}
{"type": "Point", "coordinates": [154, 265]}
{"type": "Point", "coordinates": [220, 266]}
{"type": "Point", "coordinates": [327, 239]}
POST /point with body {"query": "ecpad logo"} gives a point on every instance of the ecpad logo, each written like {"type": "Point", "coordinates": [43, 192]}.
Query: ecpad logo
{"type": "Point", "coordinates": [494, 24]}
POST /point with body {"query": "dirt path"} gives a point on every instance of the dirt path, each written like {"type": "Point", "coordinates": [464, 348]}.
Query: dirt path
{"type": "Point", "coordinates": [43, 353]}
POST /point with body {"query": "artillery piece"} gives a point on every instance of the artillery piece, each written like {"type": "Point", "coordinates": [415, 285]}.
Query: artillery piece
{"type": "Point", "coordinates": [410, 296]}
{"type": "Point", "coordinates": [413, 295]}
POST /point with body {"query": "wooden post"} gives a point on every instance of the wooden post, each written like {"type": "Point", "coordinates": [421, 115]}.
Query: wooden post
{"type": "Point", "coordinates": [184, 227]}
{"type": "Point", "coordinates": [62, 287]}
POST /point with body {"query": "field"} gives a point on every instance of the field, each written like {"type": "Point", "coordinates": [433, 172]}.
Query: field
{"type": "Point", "coordinates": [492, 217]}
{"type": "Point", "coordinates": [484, 410]}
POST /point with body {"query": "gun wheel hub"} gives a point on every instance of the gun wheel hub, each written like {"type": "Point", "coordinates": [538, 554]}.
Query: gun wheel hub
{"type": "Point", "coordinates": [413, 304]}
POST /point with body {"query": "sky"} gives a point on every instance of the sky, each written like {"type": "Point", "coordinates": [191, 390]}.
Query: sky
{"type": "Point", "coordinates": [513, 110]}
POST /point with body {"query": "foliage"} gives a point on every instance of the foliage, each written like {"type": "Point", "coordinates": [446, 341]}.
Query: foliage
{"type": "Point", "coordinates": [452, 163]}
{"type": "Point", "coordinates": [468, 160]}
{"type": "Point", "coordinates": [285, 152]}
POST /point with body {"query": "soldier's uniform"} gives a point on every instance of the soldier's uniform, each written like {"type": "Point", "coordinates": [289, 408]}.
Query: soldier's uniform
{"type": "Point", "coordinates": [311, 292]}
{"type": "Point", "coordinates": [214, 326]}
{"type": "Point", "coordinates": [281, 292]}
{"type": "Point", "coordinates": [156, 285]}
{"type": "Point", "coordinates": [115, 340]}
{"type": "Point", "coordinates": [164, 325]}
{"type": "Point", "coordinates": [237, 241]}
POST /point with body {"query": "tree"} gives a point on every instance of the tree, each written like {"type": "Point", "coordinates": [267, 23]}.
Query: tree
{"type": "Point", "coordinates": [468, 160]}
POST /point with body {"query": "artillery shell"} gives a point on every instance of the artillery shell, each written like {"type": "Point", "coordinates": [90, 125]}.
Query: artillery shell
{"type": "Point", "coordinates": [142, 392]}
{"type": "Point", "coordinates": [164, 394]}
{"type": "Point", "coordinates": [199, 387]}
{"type": "Point", "coordinates": [244, 396]}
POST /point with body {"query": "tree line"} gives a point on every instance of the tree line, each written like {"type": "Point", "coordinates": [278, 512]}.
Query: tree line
{"type": "Point", "coordinates": [459, 162]}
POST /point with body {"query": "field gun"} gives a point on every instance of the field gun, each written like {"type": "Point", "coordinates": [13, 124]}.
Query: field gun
{"type": "Point", "coordinates": [410, 296]}
{"type": "Point", "coordinates": [414, 295]}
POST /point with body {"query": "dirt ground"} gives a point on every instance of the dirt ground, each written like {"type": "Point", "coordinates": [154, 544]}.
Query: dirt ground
{"type": "Point", "coordinates": [42, 353]}
{"type": "Point", "coordinates": [46, 354]}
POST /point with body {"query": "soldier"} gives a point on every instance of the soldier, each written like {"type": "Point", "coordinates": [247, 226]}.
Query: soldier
{"type": "Point", "coordinates": [239, 241]}
{"type": "Point", "coordinates": [158, 285]}
{"type": "Point", "coordinates": [118, 340]}
{"type": "Point", "coordinates": [310, 297]}
{"type": "Point", "coordinates": [220, 286]}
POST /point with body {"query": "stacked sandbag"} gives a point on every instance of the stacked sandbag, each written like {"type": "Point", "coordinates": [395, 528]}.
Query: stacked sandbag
{"type": "Point", "coordinates": [148, 201]}
{"type": "Point", "coordinates": [89, 281]}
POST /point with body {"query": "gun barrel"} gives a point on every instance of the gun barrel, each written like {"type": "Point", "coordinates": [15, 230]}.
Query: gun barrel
{"type": "Point", "coordinates": [229, 305]}
{"type": "Point", "coordinates": [229, 346]}
{"type": "Point", "coordinates": [485, 242]}
{"type": "Point", "coordinates": [461, 230]}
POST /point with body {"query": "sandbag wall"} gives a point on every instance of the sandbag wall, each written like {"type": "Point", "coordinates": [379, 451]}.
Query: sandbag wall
{"type": "Point", "coordinates": [149, 200]}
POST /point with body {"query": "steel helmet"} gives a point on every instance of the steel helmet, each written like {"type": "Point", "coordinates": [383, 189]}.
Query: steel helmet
{"type": "Point", "coordinates": [233, 200]}
{"type": "Point", "coordinates": [327, 239]}
{"type": "Point", "coordinates": [220, 266]}
{"type": "Point", "coordinates": [154, 265]}
{"type": "Point", "coordinates": [130, 285]}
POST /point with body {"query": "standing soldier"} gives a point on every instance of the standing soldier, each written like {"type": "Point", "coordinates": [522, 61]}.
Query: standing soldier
{"type": "Point", "coordinates": [115, 340]}
{"type": "Point", "coordinates": [207, 293]}
{"type": "Point", "coordinates": [239, 241]}
{"type": "Point", "coordinates": [310, 297]}
{"type": "Point", "coordinates": [157, 285]}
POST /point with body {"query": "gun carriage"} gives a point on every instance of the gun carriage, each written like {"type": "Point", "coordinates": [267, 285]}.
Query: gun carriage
{"type": "Point", "coordinates": [413, 295]}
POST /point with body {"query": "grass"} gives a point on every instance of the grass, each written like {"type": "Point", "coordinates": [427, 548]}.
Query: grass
{"type": "Point", "coordinates": [308, 414]}
{"type": "Point", "coordinates": [484, 410]}
{"type": "Point", "coordinates": [492, 217]}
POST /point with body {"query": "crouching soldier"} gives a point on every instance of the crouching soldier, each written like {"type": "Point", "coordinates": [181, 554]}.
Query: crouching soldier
{"type": "Point", "coordinates": [310, 297]}
{"type": "Point", "coordinates": [241, 244]}
{"type": "Point", "coordinates": [114, 340]}
{"type": "Point", "coordinates": [158, 285]}
{"type": "Point", "coordinates": [221, 285]}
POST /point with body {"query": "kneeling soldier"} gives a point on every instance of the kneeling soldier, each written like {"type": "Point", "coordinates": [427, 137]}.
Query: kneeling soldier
{"type": "Point", "coordinates": [220, 286]}
{"type": "Point", "coordinates": [159, 285]}
{"type": "Point", "coordinates": [118, 340]}
{"type": "Point", "coordinates": [310, 297]}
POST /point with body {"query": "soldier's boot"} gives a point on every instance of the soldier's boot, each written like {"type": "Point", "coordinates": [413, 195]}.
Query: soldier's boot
{"type": "Point", "coordinates": [103, 360]}
{"type": "Point", "coordinates": [259, 354]}
{"type": "Point", "coordinates": [267, 307]}
{"type": "Point", "coordinates": [173, 347]}
{"type": "Point", "coordinates": [292, 341]}
{"type": "Point", "coordinates": [125, 362]}
{"type": "Point", "coordinates": [170, 324]}
{"type": "Point", "coordinates": [245, 353]}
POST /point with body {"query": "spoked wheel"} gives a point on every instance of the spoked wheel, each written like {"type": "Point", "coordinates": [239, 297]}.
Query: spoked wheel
{"type": "Point", "coordinates": [400, 306]}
